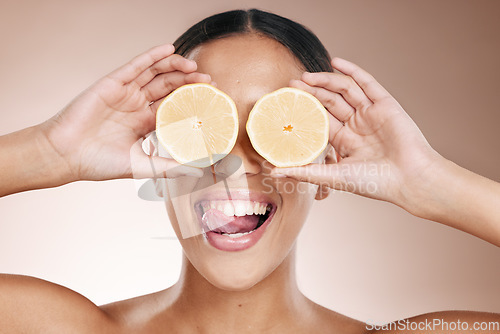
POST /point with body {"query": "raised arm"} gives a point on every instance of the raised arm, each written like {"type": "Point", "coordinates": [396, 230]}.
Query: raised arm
{"type": "Point", "coordinates": [98, 135]}
{"type": "Point", "coordinates": [385, 156]}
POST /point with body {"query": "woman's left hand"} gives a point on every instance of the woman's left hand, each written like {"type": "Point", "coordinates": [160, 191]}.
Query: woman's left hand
{"type": "Point", "coordinates": [382, 152]}
{"type": "Point", "coordinates": [98, 135]}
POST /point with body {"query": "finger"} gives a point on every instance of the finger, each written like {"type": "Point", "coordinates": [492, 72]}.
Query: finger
{"type": "Point", "coordinates": [341, 84]}
{"type": "Point", "coordinates": [139, 64]}
{"type": "Point", "coordinates": [334, 102]}
{"type": "Point", "coordinates": [325, 175]}
{"type": "Point", "coordinates": [366, 81]}
{"type": "Point", "coordinates": [145, 166]}
{"type": "Point", "coordinates": [172, 63]}
{"type": "Point", "coordinates": [165, 83]}
{"type": "Point", "coordinates": [335, 126]}
{"type": "Point", "coordinates": [346, 175]}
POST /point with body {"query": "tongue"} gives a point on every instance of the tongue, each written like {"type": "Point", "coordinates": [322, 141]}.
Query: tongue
{"type": "Point", "coordinates": [216, 221]}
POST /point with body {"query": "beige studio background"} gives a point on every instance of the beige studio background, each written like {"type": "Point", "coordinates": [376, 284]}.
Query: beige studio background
{"type": "Point", "coordinates": [367, 259]}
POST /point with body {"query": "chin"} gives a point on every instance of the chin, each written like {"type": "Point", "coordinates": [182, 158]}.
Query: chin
{"type": "Point", "coordinates": [235, 279]}
{"type": "Point", "coordinates": [245, 233]}
{"type": "Point", "coordinates": [238, 284]}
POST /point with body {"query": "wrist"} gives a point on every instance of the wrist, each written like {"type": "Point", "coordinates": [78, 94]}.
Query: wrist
{"type": "Point", "coordinates": [56, 169]}
{"type": "Point", "coordinates": [423, 189]}
{"type": "Point", "coordinates": [454, 196]}
{"type": "Point", "coordinates": [28, 162]}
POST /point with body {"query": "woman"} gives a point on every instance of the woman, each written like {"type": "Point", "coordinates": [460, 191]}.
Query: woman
{"type": "Point", "coordinates": [249, 287]}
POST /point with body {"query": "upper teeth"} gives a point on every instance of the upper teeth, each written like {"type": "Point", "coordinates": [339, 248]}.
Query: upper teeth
{"type": "Point", "coordinates": [236, 207]}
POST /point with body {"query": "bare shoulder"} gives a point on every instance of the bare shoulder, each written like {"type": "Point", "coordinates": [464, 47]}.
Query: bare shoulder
{"type": "Point", "coordinates": [149, 313]}
{"type": "Point", "coordinates": [140, 315]}
{"type": "Point", "coordinates": [32, 305]}
{"type": "Point", "coordinates": [445, 322]}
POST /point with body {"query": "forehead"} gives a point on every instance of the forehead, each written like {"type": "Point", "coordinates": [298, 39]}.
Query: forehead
{"type": "Point", "coordinates": [247, 66]}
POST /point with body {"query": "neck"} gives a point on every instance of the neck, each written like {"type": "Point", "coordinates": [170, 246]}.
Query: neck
{"type": "Point", "coordinates": [271, 304]}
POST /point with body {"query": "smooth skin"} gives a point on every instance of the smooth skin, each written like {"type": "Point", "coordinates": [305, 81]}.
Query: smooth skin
{"type": "Point", "coordinates": [96, 136]}
{"type": "Point", "coordinates": [91, 139]}
{"type": "Point", "coordinates": [369, 127]}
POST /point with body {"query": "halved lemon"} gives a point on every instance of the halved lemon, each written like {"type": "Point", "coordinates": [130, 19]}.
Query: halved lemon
{"type": "Point", "coordinates": [197, 124]}
{"type": "Point", "coordinates": [288, 127]}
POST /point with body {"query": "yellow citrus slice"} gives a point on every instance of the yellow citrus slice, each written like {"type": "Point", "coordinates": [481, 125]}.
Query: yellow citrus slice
{"type": "Point", "coordinates": [197, 124]}
{"type": "Point", "coordinates": [288, 127]}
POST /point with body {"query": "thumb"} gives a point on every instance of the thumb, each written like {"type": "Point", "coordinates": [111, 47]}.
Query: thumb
{"type": "Point", "coordinates": [329, 175]}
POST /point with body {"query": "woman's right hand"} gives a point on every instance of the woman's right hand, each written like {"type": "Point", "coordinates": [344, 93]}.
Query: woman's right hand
{"type": "Point", "coordinates": [383, 153]}
{"type": "Point", "coordinates": [385, 156]}
{"type": "Point", "coordinates": [98, 135]}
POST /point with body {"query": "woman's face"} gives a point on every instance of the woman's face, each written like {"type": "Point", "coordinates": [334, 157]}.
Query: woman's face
{"type": "Point", "coordinates": [268, 213]}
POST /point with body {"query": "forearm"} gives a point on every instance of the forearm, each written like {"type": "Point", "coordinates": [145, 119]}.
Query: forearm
{"type": "Point", "coordinates": [27, 162]}
{"type": "Point", "coordinates": [459, 198]}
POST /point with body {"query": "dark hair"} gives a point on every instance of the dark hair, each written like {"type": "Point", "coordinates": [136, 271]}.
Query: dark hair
{"type": "Point", "coordinates": [303, 43]}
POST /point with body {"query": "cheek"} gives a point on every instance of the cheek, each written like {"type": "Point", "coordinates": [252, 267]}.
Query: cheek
{"type": "Point", "coordinates": [298, 198]}
{"type": "Point", "coordinates": [240, 271]}
{"type": "Point", "coordinates": [179, 205]}
{"type": "Point", "coordinates": [173, 218]}
{"type": "Point", "coordinates": [182, 218]}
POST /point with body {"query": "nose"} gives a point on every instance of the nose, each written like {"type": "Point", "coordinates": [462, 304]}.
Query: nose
{"type": "Point", "coordinates": [241, 161]}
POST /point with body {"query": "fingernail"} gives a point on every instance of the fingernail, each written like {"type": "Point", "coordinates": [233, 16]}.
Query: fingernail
{"type": "Point", "coordinates": [170, 47]}
{"type": "Point", "coordinates": [277, 175]}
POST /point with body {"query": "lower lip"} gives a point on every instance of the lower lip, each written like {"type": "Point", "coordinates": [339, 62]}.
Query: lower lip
{"type": "Point", "coordinates": [226, 243]}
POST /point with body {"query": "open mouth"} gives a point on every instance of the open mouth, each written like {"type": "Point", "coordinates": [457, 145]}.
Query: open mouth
{"type": "Point", "coordinates": [234, 224]}
{"type": "Point", "coordinates": [233, 218]}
